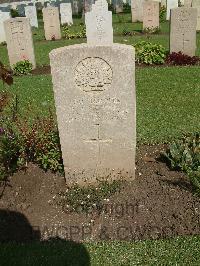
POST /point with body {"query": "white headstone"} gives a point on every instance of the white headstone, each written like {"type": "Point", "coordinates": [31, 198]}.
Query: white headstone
{"type": "Point", "coordinates": [171, 4]}
{"type": "Point", "coordinates": [94, 90]}
{"type": "Point", "coordinates": [31, 13]}
{"type": "Point", "coordinates": [196, 4]}
{"type": "Point", "coordinates": [99, 24]}
{"type": "Point", "coordinates": [183, 30]}
{"type": "Point", "coordinates": [3, 17]}
{"type": "Point", "coordinates": [137, 10]}
{"type": "Point", "coordinates": [66, 13]}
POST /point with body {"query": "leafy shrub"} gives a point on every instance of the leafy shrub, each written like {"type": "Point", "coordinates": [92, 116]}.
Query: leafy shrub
{"type": "Point", "coordinates": [87, 199]}
{"type": "Point", "coordinates": [149, 53]}
{"type": "Point", "coordinates": [126, 8]}
{"type": "Point", "coordinates": [3, 43]}
{"type": "Point", "coordinates": [14, 13]}
{"type": "Point", "coordinates": [23, 67]}
{"type": "Point", "coordinates": [22, 141]}
{"type": "Point", "coordinates": [162, 13]}
{"type": "Point", "coordinates": [182, 59]}
{"type": "Point", "coordinates": [184, 155]}
{"type": "Point", "coordinates": [69, 34]}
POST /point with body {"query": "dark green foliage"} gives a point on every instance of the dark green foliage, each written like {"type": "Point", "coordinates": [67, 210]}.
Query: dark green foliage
{"type": "Point", "coordinates": [184, 155]}
{"type": "Point", "coordinates": [149, 53]}
{"type": "Point", "coordinates": [126, 8]}
{"type": "Point", "coordinates": [69, 34]}
{"type": "Point", "coordinates": [23, 141]}
{"type": "Point", "coordinates": [14, 13]}
{"type": "Point", "coordinates": [87, 199]}
{"type": "Point", "coordinates": [162, 13]}
{"type": "Point", "coordinates": [23, 67]}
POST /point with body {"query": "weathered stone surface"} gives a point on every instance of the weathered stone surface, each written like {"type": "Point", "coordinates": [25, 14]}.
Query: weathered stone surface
{"type": "Point", "coordinates": [96, 114]}
{"type": "Point", "coordinates": [99, 24]}
{"type": "Point", "coordinates": [137, 10]}
{"type": "Point", "coordinates": [183, 30]}
{"type": "Point", "coordinates": [164, 3]}
{"type": "Point", "coordinates": [19, 40]}
{"type": "Point", "coordinates": [75, 7]}
{"type": "Point", "coordinates": [66, 13]}
{"type": "Point", "coordinates": [51, 23]}
{"type": "Point", "coordinates": [3, 16]}
{"type": "Point", "coordinates": [118, 6]}
{"type": "Point", "coordinates": [187, 3]}
{"type": "Point", "coordinates": [31, 13]}
{"type": "Point", "coordinates": [170, 5]}
{"type": "Point", "coordinates": [150, 15]}
{"type": "Point", "coordinates": [196, 4]}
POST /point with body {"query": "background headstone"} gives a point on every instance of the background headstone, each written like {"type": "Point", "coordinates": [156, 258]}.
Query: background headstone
{"type": "Point", "coordinates": [75, 7]}
{"type": "Point", "coordinates": [150, 15]}
{"type": "Point", "coordinates": [99, 24]}
{"type": "Point", "coordinates": [137, 10]}
{"type": "Point", "coordinates": [118, 6]}
{"type": "Point", "coordinates": [31, 13]}
{"type": "Point", "coordinates": [51, 23]}
{"type": "Point", "coordinates": [3, 16]}
{"type": "Point", "coordinates": [21, 10]}
{"type": "Point", "coordinates": [187, 3]}
{"type": "Point", "coordinates": [19, 40]}
{"type": "Point", "coordinates": [66, 13]}
{"type": "Point", "coordinates": [183, 30]}
{"type": "Point", "coordinates": [171, 4]}
{"type": "Point", "coordinates": [196, 4]}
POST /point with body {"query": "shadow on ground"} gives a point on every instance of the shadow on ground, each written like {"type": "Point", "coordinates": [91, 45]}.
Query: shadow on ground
{"type": "Point", "coordinates": [20, 245]}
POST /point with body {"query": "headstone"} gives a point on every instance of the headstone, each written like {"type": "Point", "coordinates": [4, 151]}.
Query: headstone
{"type": "Point", "coordinates": [96, 111]}
{"type": "Point", "coordinates": [187, 3]}
{"type": "Point", "coordinates": [75, 8]}
{"type": "Point", "coordinates": [99, 24]}
{"type": "Point", "coordinates": [3, 16]}
{"type": "Point", "coordinates": [196, 4]}
{"type": "Point", "coordinates": [118, 6]}
{"type": "Point", "coordinates": [51, 23]}
{"type": "Point", "coordinates": [150, 15]}
{"type": "Point", "coordinates": [66, 13]}
{"type": "Point", "coordinates": [183, 30]}
{"type": "Point", "coordinates": [171, 4]}
{"type": "Point", "coordinates": [137, 10]}
{"type": "Point", "coordinates": [31, 13]}
{"type": "Point", "coordinates": [87, 5]}
{"type": "Point", "coordinates": [21, 10]}
{"type": "Point", "coordinates": [19, 40]}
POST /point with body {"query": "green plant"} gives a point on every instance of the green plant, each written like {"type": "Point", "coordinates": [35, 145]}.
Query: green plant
{"type": "Point", "coordinates": [3, 43]}
{"type": "Point", "coordinates": [162, 13]}
{"type": "Point", "coordinates": [23, 67]}
{"type": "Point", "coordinates": [87, 199]}
{"type": "Point", "coordinates": [23, 141]}
{"type": "Point", "coordinates": [69, 34]}
{"type": "Point", "coordinates": [184, 155]}
{"type": "Point", "coordinates": [14, 13]}
{"type": "Point", "coordinates": [126, 8]}
{"type": "Point", "coordinates": [149, 53]}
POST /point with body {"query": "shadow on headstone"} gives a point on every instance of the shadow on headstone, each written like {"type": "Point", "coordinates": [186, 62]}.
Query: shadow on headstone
{"type": "Point", "coordinates": [16, 230]}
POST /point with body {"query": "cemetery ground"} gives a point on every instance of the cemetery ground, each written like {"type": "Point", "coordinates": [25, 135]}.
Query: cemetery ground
{"type": "Point", "coordinates": [165, 207]}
